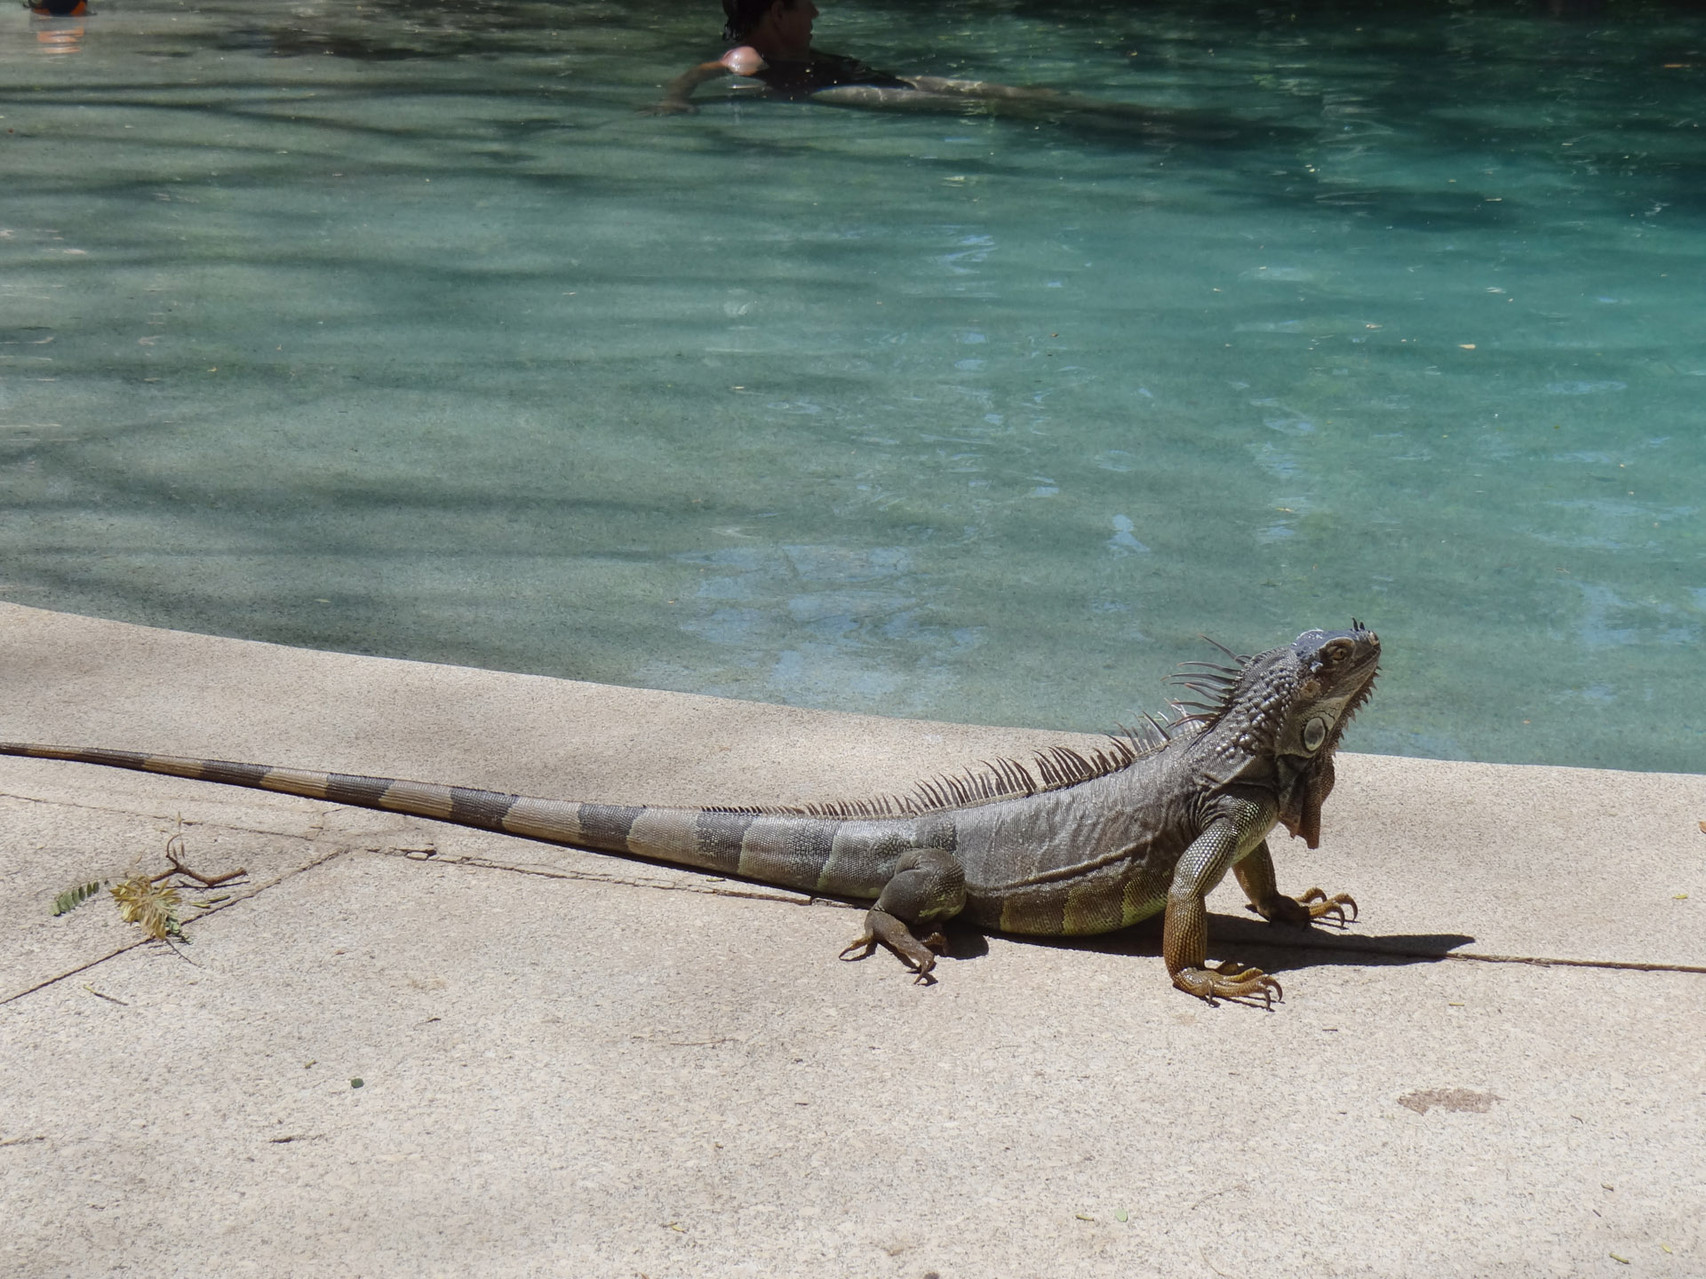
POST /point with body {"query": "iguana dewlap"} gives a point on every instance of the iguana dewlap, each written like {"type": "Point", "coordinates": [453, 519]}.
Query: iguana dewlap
{"type": "Point", "coordinates": [1068, 845]}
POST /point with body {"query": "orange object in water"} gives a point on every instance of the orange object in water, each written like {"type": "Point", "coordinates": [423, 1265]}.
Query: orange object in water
{"type": "Point", "coordinates": [61, 40]}
{"type": "Point", "coordinates": [59, 37]}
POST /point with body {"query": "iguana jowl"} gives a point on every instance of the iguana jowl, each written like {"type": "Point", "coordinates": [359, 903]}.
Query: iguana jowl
{"type": "Point", "coordinates": [1072, 844]}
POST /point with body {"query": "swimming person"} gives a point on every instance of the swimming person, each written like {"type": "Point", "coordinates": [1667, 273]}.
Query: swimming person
{"type": "Point", "coordinates": [772, 42]}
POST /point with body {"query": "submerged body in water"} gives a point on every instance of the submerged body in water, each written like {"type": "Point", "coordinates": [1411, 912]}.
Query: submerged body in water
{"type": "Point", "coordinates": [773, 46]}
{"type": "Point", "coordinates": [771, 42]}
{"type": "Point", "coordinates": [777, 52]}
{"type": "Point", "coordinates": [796, 78]}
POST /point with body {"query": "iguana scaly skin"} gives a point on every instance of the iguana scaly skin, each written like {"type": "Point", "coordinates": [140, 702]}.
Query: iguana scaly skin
{"type": "Point", "coordinates": [1069, 845]}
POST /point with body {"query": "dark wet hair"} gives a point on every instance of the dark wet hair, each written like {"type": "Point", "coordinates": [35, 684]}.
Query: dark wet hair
{"type": "Point", "coordinates": [744, 15]}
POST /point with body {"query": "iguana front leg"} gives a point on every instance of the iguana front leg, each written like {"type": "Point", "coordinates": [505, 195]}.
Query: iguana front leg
{"type": "Point", "coordinates": [928, 887]}
{"type": "Point", "coordinates": [1256, 876]}
{"type": "Point", "coordinates": [1184, 934]}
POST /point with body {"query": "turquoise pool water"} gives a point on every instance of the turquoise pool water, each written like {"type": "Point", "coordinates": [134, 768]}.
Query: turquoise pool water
{"type": "Point", "coordinates": [397, 329]}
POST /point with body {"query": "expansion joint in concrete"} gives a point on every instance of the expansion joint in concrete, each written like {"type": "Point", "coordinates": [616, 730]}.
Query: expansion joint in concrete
{"type": "Point", "coordinates": [709, 887]}
{"type": "Point", "coordinates": [1477, 957]}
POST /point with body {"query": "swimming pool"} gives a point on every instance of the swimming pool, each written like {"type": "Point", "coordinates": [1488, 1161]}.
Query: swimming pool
{"type": "Point", "coordinates": [399, 330]}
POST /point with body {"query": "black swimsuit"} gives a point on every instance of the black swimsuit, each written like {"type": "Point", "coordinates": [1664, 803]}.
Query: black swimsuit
{"type": "Point", "coordinates": [802, 77]}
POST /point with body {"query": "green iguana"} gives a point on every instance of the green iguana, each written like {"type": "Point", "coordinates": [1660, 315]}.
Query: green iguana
{"type": "Point", "coordinates": [1071, 844]}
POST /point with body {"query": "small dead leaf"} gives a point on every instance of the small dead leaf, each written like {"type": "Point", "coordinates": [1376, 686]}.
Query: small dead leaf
{"type": "Point", "coordinates": [153, 906]}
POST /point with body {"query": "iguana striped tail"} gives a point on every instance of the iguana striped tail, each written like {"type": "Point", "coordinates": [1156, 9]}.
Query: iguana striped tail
{"type": "Point", "coordinates": [686, 836]}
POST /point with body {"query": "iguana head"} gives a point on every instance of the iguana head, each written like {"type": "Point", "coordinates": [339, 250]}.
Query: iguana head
{"type": "Point", "coordinates": [1332, 675]}
{"type": "Point", "coordinates": [1281, 714]}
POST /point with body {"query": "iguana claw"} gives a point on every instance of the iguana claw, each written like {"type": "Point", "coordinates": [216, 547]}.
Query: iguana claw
{"type": "Point", "coordinates": [1306, 908]}
{"type": "Point", "coordinates": [1318, 904]}
{"type": "Point", "coordinates": [1229, 980]}
{"type": "Point", "coordinates": [865, 943]}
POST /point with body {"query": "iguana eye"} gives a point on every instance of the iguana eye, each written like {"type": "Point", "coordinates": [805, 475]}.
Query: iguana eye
{"type": "Point", "coordinates": [1314, 733]}
{"type": "Point", "coordinates": [1337, 651]}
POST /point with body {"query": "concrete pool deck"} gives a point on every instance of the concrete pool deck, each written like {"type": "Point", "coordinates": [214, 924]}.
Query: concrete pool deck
{"type": "Point", "coordinates": [572, 1064]}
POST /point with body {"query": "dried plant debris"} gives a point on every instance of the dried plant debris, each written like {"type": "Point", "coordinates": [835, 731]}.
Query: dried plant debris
{"type": "Point", "coordinates": [154, 906]}
{"type": "Point", "coordinates": [154, 902]}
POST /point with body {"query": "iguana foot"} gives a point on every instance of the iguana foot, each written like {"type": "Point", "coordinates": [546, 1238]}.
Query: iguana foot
{"type": "Point", "coordinates": [1306, 908]}
{"type": "Point", "coordinates": [882, 927]}
{"type": "Point", "coordinates": [1229, 980]}
{"type": "Point", "coordinates": [927, 887]}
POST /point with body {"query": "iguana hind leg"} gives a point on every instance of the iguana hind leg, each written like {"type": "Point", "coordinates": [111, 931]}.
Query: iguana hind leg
{"type": "Point", "coordinates": [928, 887]}
{"type": "Point", "coordinates": [1256, 876]}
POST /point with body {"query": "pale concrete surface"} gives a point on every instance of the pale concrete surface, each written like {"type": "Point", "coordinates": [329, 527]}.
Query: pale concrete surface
{"type": "Point", "coordinates": [577, 1065]}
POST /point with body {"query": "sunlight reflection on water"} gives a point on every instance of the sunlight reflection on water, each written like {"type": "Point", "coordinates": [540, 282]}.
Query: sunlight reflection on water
{"type": "Point", "coordinates": [404, 332]}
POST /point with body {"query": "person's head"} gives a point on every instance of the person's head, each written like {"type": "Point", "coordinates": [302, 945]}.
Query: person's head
{"type": "Point", "coordinates": [783, 25]}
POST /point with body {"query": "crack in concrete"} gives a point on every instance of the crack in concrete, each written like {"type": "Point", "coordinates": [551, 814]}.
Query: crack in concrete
{"type": "Point", "coordinates": [309, 834]}
{"type": "Point", "coordinates": [759, 892]}
{"type": "Point", "coordinates": [1638, 966]}
{"type": "Point", "coordinates": [1472, 956]}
